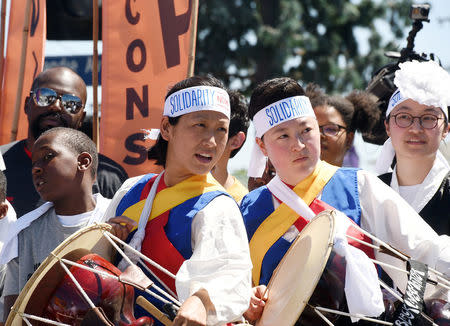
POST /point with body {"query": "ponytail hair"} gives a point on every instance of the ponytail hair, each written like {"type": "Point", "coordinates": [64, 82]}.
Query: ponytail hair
{"type": "Point", "coordinates": [366, 112]}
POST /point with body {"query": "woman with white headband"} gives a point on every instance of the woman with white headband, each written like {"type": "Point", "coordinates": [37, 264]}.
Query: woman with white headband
{"type": "Point", "coordinates": [187, 222]}
{"type": "Point", "coordinates": [416, 122]}
{"type": "Point", "coordinates": [288, 134]}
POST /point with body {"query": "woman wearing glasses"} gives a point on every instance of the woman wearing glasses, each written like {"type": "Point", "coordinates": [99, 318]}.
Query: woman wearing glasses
{"type": "Point", "coordinates": [338, 119]}
{"type": "Point", "coordinates": [416, 122]}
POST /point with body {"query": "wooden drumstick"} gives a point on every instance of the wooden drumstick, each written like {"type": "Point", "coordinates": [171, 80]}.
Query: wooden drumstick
{"type": "Point", "coordinates": [151, 309]}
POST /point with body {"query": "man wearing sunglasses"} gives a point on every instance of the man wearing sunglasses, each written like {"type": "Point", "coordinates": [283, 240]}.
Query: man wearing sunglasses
{"type": "Point", "coordinates": [57, 99]}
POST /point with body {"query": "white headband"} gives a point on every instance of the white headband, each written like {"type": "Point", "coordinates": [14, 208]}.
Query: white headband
{"type": "Point", "coordinates": [395, 100]}
{"type": "Point", "coordinates": [282, 111]}
{"type": "Point", "coordinates": [193, 99]}
{"type": "Point", "coordinates": [271, 116]}
{"type": "Point", "coordinates": [398, 98]}
{"type": "Point", "coordinates": [197, 98]}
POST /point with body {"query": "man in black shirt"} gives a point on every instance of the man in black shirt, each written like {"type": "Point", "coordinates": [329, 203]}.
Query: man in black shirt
{"type": "Point", "coordinates": [57, 99]}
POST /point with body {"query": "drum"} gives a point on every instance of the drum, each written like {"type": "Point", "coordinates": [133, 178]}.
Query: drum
{"type": "Point", "coordinates": [66, 293]}
{"type": "Point", "coordinates": [307, 287]}
{"type": "Point", "coordinates": [288, 291]}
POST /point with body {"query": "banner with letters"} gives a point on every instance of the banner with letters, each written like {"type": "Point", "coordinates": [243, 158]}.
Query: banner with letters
{"type": "Point", "coordinates": [146, 45]}
{"type": "Point", "coordinates": [34, 62]}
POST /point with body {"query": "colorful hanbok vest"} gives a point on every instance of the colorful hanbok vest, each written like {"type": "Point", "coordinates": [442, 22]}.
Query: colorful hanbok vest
{"type": "Point", "coordinates": [339, 190]}
{"type": "Point", "coordinates": [168, 232]}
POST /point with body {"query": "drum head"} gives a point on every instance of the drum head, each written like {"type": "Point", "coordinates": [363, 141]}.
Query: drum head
{"type": "Point", "coordinates": [36, 293]}
{"type": "Point", "coordinates": [298, 273]}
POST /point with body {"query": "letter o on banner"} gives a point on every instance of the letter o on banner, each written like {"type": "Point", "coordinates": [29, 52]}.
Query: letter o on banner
{"type": "Point", "coordinates": [138, 43]}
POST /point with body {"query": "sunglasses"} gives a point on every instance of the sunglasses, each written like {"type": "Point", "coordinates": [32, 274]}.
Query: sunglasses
{"type": "Point", "coordinates": [46, 96]}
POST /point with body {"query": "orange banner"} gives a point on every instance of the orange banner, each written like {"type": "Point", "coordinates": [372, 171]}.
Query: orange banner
{"type": "Point", "coordinates": [34, 62]}
{"type": "Point", "coordinates": [146, 47]}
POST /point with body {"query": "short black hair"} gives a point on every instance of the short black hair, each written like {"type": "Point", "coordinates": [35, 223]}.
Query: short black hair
{"type": "Point", "coordinates": [239, 120]}
{"type": "Point", "coordinates": [3, 185]}
{"type": "Point", "coordinates": [77, 142]}
{"type": "Point", "coordinates": [158, 151]}
{"type": "Point", "coordinates": [271, 91]}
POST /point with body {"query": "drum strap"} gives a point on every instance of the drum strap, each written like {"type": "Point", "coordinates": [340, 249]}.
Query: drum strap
{"type": "Point", "coordinates": [277, 223]}
{"type": "Point", "coordinates": [409, 311]}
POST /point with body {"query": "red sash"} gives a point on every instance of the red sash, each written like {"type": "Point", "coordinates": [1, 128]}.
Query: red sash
{"type": "Point", "coordinates": [157, 246]}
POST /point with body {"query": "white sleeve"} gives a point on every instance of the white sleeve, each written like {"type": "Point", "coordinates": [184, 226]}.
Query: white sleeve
{"type": "Point", "coordinates": [220, 262]}
{"type": "Point", "coordinates": [389, 217]}
{"type": "Point", "coordinates": [6, 224]}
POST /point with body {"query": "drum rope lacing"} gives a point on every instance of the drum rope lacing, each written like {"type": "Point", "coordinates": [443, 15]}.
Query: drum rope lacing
{"type": "Point", "coordinates": [395, 253]}
{"type": "Point", "coordinates": [169, 298]}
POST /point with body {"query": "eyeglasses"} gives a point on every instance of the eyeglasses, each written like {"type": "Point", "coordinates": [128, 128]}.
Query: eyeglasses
{"type": "Point", "coordinates": [46, 96]}
{"type": "Point", "coordinates": [427, 121]}
{"type": "Point", "coordinates": [331, 129]}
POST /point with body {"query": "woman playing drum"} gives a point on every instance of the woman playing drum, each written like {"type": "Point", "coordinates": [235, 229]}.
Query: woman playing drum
{"type": "Point", "coordinates": [287, 132]}
{"type": "Point", "coordinates": [193, 228]}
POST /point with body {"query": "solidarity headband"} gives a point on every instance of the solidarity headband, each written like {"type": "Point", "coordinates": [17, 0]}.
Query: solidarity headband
{"type": "Point", "coordinates": [197, 98]}
{"type": "Point", "coordinates": [397, 98]}
{"type": "Point", "coordinates": [193, 99]}
{"type": "Point", "coordinates": [282, 111]}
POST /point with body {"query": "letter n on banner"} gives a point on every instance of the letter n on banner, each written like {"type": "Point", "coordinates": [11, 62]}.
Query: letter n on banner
{"type": "Point", "coordinates": [34, 62]}
{"type": "Point", "coordinates": [146, 46]}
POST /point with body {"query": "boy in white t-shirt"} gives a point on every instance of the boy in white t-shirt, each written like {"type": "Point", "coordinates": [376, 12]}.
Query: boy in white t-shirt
{"type": "Point", "coordinates": [64, 165]}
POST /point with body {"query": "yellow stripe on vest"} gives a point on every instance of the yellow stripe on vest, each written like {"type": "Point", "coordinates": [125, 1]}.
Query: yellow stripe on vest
{"type": "Point", "coordinates": [171, 197]}
{"type": "Point", "coordinates": [277, 223]}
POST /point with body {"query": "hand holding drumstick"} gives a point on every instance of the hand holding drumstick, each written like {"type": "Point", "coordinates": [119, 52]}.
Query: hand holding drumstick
{"type": "Point", "coordinates": [257, 303]}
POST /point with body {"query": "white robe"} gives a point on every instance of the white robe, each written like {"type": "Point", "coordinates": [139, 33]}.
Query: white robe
{"type": "Point", "coordinates": [391, 219]}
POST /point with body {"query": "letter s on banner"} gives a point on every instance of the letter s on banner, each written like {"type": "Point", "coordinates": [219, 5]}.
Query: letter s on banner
{"type": "Point", "coordinates": [145, 51]}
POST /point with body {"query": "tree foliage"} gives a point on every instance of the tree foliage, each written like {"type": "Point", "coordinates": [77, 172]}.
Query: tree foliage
{"type": "Point", "coordinates": [244, 42]}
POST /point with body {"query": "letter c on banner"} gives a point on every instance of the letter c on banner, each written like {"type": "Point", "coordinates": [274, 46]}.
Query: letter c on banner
{"type": "Point", "coordinates": [133, 20]}
{"type": "Point", "coordinates": [138, 43]}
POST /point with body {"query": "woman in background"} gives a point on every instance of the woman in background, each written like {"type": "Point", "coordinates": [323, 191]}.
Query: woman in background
{"type": "Point", "coordinates": [339, 118]}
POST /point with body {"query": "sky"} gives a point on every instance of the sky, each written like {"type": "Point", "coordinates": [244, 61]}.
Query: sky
{"type": "Point", "coordinates": [433, 38]}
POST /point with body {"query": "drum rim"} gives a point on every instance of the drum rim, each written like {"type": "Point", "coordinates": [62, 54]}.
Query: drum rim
{"type": "Point", "coordinates": [331, 216]}
{"type": "Point", "coordinates": [50, 261]}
